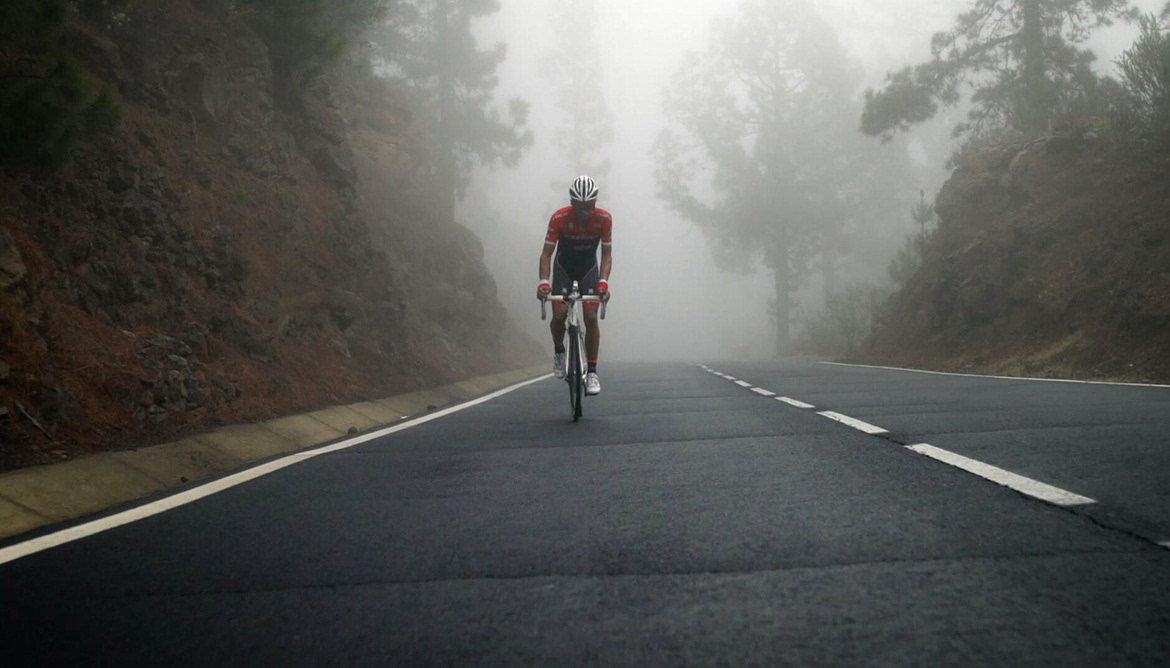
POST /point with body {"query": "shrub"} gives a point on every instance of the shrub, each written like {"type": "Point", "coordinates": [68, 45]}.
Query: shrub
{"type": "Point", "coordinates": [843, 324]}
{"type": "Point", "coordinates": [48, 99]}
{"type": "Point", "coordinates": [44, 114]}
{"type": "Point", "coordinates": [1145, 72]}
{"type": "Point", "coordinates": [909, 257]}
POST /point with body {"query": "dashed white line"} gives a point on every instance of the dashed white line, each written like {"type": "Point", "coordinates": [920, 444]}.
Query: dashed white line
{"type": "Point", "coordinates": [743, 383]}
{"type": "Point", "coordinates": [995, 474]}
{"type": "Point", "coordinates": [854, 422]}
{"type": "Point", "coordinates": [766, 393]}
{"type": "Point", "coordinates": [1165, 543]}
{"type": "Point", "coordinates": [729, 377]}
{"type": "Point", "coordinates": [794, 402]}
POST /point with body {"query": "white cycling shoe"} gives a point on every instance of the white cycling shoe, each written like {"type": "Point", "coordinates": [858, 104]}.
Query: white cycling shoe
{"type": "Point", "coordinates": [559, 365]}
{"type": "Point", "coordinates": [592, 384]}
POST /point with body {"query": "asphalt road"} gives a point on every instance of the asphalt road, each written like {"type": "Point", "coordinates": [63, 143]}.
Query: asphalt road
{"type": "Point", "coordinates": [687, 520]}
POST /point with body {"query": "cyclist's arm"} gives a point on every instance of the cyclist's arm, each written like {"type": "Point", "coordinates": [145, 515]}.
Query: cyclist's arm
{"type": "Point", "coordinates": [606, 261]}
{"type": "Point", "coordinates": [546, 261]}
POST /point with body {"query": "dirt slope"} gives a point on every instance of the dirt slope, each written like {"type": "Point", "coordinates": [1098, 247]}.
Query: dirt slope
{"type": "Point", "coordinates": [241, 248]}
{"type": "Point", "coordinates": [1052, 258]}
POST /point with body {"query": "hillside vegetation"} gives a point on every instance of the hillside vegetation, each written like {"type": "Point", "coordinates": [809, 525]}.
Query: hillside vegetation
{"type": "Point", "coordinates": [214, 216]}
{"type": "Point", "coordinates": [1051, 257]}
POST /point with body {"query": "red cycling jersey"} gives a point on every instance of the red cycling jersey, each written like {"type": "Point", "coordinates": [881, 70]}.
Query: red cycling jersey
{"type": "Point", "coordinates": [577, 245]}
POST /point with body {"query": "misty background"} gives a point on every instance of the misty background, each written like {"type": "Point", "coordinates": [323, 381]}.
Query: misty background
{"type": "Point", "coordinates": [670, 299]}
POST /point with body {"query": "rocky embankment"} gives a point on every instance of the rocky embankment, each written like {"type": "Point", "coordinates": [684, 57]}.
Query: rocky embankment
{"type": "Point", "coordinates": [251, 242]}
{"type": "Point", "coordinates": [1052, 258]}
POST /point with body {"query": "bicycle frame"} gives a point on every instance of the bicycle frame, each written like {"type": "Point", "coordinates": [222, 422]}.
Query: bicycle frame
{"type": "Point", "coordinates": [575, 334]}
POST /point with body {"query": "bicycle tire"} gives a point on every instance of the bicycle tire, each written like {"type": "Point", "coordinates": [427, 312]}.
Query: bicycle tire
{"type": "Point", "coordinates": [576, 380]}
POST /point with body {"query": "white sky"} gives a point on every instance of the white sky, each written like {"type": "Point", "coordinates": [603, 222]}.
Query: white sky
{"type": "Point", "coordinates": [669, 302]}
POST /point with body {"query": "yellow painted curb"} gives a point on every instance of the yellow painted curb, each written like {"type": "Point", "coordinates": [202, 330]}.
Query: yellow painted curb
{"type": "Point", "coordinates": [176, 463]}
{"type": "Point", "coordinates": [376, 412]}
{"type": "Point", "coordinates": [72, 489]}
{"type": "Point", "coordinates": [19, 519]}
{"type": "Point", "coordinates": [247, 442]}
{"type": "Point", "coordinates": [344, 418]}
{"type": "Point", "coordinates": [303, 430]}
{"type": "Point", "coordinates": [41, 495]}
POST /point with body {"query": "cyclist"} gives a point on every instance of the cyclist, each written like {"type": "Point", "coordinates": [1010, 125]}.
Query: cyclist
{"type": "Point", "coordinates": [575, 232]}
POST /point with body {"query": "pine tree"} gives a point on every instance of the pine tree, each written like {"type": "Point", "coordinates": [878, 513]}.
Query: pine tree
{"type": "Point", "coordinates": [765, 125]}
{"type": "Point", "coordinates": [428, 45]}
{"type": "Point", "coordinates": [576, 74]}
{"type": "Point", "coordinates": [1021, 59]}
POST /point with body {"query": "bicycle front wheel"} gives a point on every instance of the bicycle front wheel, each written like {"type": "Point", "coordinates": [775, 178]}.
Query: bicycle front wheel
{"type": "Point", "coordinates": [576, 378]}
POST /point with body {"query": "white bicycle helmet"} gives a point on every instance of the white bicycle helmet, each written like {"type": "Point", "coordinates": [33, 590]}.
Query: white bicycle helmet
{"type": "Point", "coordinates": [583, 190]}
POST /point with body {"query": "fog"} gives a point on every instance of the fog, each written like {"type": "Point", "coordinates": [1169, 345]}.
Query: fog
{"type": "Point", "coordinates": [669, 299]}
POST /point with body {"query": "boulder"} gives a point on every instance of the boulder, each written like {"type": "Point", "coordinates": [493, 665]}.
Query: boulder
{"type": "Point", "coordinates": [12, 269]}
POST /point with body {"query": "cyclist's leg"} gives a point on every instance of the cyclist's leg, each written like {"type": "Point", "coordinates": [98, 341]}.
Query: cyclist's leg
{"type": "Point", "coordinates": [561, 284]}
{"type": "Point", "coordinates": [588, 283]}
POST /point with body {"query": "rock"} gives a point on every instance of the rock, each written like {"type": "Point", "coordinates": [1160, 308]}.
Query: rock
{"type": "Point", "coordinates": [178, 361]}
{"type": "Point", "coordinates": [329, 161]}
{"type": "Point", "coordinates": [141, 213]}
{"type": "Point", "coordinates": [157, 414]}
{"type": "Point", "coordinates": [4, 369]}
{"type": "Point", "coordinates": [147, 382]}
{"type": "Point", "coordinates": [170, 344]}
{"type": "Point", "coordinates": [4, 416]}
{"type": "Point", "coordinates": [12, 269]}
{"type": "Point", "coordinates": [122, 178]}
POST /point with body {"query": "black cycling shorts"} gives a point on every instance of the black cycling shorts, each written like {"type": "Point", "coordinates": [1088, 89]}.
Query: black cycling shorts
{"type": "Point", "coordinates": [562, 279]}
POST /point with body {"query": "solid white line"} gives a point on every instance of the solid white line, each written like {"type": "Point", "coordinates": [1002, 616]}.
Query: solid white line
{"type": "Point", "coordinates": [760, 390]}
{"type": "Point", "coordinates": [794, 402]}
{"type": "Point", "coordinates": [975, 375]}
{"type": "Point", "coordinates": [1017, 482]}
{"type": "Point", "coordinates": [853, 422]}
{"type": "Point", "coordinates": [743, 383]}
{"type": "Point", "coordinates": [29, 547]}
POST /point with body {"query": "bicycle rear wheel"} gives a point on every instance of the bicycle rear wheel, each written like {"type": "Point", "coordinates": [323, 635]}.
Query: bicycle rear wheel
{"type": "Point", "coordinates": [575, 377]}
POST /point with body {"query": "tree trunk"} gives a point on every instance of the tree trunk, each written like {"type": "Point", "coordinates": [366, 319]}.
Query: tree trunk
{"type": "Point", "coordinates": [447, 171]}
{"type": "Point", "coordinates": [782, 275]}
{"type": "Point", "coordinates": [829, 266]}
{"type": "Point", "coordinates": [1034, 108]}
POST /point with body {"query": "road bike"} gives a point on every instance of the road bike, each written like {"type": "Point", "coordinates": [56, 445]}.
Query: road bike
{"type": "Point", "coordinates": [575, 361]}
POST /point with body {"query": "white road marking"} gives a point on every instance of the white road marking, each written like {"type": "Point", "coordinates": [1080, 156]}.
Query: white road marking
{"type": "Point", "coordinates": [729, 377]}
{"type": "Point", "coordinates": [766, 393]}
{"type": "Point", "coordinates": [1165, 543]}
{"type": "Point", "coordinates": [975, 375]}
{"type": "Point", "coordinates": [794, 402]}
{"type": "Point", "coordinates": [995, 474]}
{"type": "Point", "coordinates": [854, 422]}
{"type": "Point", "coordinates": [29, 547]}
{"type": "Point", "coordinates": [742, 383]}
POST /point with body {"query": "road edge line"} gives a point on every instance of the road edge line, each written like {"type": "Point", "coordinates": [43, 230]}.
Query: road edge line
{"type": "Point", "coordinates": [170, 502]}
{"type": "Point", "coordinates": [977, 375]}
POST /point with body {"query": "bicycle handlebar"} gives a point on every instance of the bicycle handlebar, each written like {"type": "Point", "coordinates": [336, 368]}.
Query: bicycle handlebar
{"type": "Point", "coordinates": [559, 298]}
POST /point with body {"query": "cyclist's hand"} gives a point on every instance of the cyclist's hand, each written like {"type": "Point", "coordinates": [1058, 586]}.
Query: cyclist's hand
{"type": "Point", "coordinates": [603, 290]}
{"type": "Point", "coordinates": [543, 290]}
